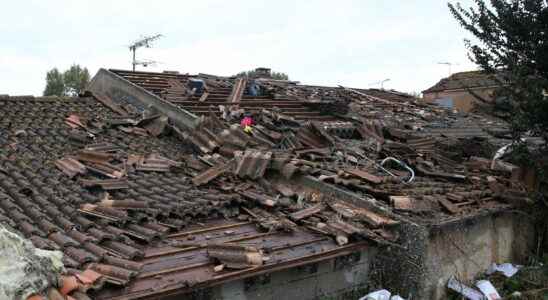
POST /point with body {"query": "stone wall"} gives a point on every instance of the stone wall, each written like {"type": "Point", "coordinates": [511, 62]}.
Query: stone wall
{"type": "Point", "coordinates": [468, 247]}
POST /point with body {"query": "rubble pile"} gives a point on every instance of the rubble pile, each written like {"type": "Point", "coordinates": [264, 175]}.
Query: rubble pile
{"type": "Point", "coordinates": [112, 184]}
{"type": "Point", "coordinates": [505, 281]}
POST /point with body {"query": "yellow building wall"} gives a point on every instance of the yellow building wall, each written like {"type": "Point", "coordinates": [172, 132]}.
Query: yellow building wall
{"type": "Point", "coordinates": [463, 101]}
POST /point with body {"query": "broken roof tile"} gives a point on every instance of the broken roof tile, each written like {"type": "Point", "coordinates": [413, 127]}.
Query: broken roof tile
{"type": "Point", "coordinates": [70, 167]}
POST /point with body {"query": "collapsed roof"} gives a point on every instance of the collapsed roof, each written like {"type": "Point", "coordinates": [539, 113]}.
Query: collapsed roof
{"type": "Point", "coordinates": [125, 188]}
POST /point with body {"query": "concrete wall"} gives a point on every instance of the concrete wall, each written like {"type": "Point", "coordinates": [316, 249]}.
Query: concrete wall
{"type": "Point", "coordinates": [123, 92]}
{"type": "Point", "coordinates": [462, 99]}
{"type": "Point", "coordinates": [465, 248]}
{"type": "Point", "coordinates": [469, 247]}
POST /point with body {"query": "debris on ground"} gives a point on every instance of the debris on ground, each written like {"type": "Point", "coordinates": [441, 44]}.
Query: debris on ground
{"type": "Point", "coordinates": [381, 295]}
{"type": "Point", "coordinates": [506, 281]}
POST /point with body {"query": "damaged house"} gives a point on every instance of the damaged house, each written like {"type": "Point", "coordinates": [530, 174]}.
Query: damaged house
{"type": "Point", "coordinates": [464, 91]}
{"type": "Point", "coordinates": [149, 185]}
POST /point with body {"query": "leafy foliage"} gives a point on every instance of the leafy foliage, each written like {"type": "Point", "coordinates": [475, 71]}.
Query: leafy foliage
{"type": "Point", "coordinates": [513, 43]}
{"type": "Point", "coordinates": [70, 83]}
{"type": "Point", "coordinates": [54, 83]}
{"type": "Point", "coordinates": [76, 80]}
{"type": "Point", "coordinates": [274, 75]}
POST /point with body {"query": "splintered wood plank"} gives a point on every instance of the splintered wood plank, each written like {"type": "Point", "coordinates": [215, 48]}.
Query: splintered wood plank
{"type": "Point", "coordinates": [450, 207]}
{"type": "Point", "coordinates": [307, 212]}
{"type": "Point", "coordinates": [402, 202]}
{"type": "Point", "coordinates": [365, 175]}
{"type": "Point", "coordinates": [203, 97]}
{"type": "Point", "coordinates": [375, 220]}
{"type": "Point", "coordinates": [211, 173]}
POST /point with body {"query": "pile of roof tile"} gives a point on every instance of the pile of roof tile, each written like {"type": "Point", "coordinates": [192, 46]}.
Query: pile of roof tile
{"type": "Point", "coordinates": [101, 184]}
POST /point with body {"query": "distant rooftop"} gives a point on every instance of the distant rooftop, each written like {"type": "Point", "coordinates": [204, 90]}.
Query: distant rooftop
{"type": "Point", "coordinates": [461, 80]}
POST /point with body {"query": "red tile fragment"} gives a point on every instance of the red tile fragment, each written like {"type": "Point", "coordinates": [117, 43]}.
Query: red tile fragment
{"type": "Point", "coordinates": [88, 277]}
{"type": "Point", "coordinates": [69, 284]}
{"type": "Point", "coordinates": [74, 121]}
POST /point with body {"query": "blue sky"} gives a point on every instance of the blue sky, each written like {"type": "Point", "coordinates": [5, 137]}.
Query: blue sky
{"type": "Point", "coordinates": [352, 43]}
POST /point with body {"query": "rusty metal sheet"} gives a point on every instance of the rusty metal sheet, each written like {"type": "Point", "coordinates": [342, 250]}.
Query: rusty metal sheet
{"type": "Point", "coordinates": [189, 266]}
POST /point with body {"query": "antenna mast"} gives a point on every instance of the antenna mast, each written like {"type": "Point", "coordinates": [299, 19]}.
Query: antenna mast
{"type": "Point", "coordinates": [380, 82]}
{"type": "Point", "coordinates": [449, 65]}
{"type": "Point", "coordinates": [143, 42]}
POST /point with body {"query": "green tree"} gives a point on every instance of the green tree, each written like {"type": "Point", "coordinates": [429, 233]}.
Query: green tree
{"type": "Point", "coordinates": [274, 75]}
{"type": "Point", "coordinates": [76, 78]}
{"type": "Point", "coordinates": [54, 83]}
{"type": "Point", "coordinates": [69, 83]}
{"type": "Point", "coordinates": [512, 43]}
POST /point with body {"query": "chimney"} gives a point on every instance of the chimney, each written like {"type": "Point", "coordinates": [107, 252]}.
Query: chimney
{"type": "Point", "coordinates": [263, 73]}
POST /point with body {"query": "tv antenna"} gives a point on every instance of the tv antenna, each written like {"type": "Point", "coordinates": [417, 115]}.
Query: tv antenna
{"type": "Point", "coordinates": [380, 82]}
{"type": "Point", "coordinates": [449, 65]}
{"type": "Point", "coordinates": [143, 42]}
